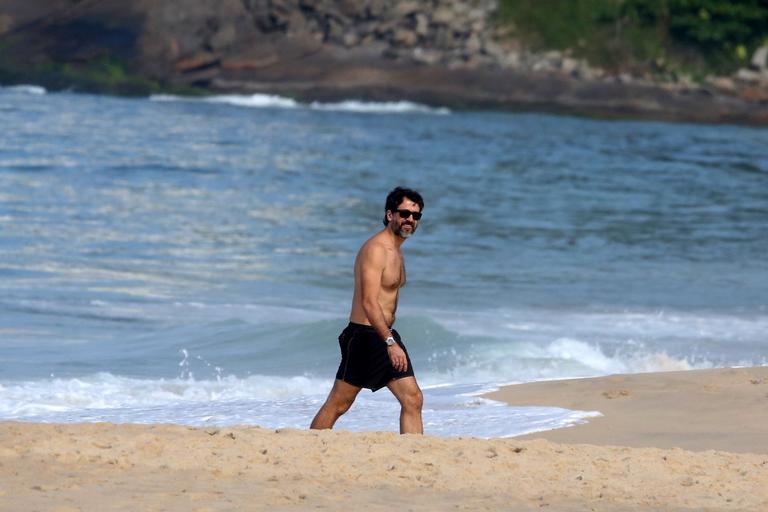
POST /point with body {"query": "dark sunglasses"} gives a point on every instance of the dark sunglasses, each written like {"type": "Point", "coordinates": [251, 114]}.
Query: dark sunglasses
{"type": "Point", "coordinates": [404, 214]}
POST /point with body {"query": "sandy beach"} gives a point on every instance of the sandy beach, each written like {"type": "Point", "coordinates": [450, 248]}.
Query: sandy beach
{"type": "Point", "coordinates": [106, 467]}
{"type": "Point", "coordinates": [722, 409]}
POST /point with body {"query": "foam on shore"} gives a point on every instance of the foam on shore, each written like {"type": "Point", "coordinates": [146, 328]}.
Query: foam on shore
{"type": "Point", "coordinates": [273, 101]}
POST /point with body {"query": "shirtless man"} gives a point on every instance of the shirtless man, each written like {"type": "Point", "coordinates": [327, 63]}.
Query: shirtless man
{"type": "Point", "coordinates": [372, 353]}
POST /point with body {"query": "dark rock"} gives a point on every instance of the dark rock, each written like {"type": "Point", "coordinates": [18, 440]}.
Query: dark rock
{"type": "Point", "coordinates": [443, 39]}
{"type": "Point", "coordinates": [352, 8]}
{"type": "Point", "coordinates": [223, 38]}
{"type": "Point", "coordinates": [404, 37]}
{"type": "Point", "coordinates": [297, 22]}
{"type": "Point", "coordinates": [334, 31]}
{"type": "Point", "coordinates": [196, 62]}
{"type": "Point", "coordinates": [406, 8]}
{"type": "Point", "coordinates": [377, 8]}
{"type": "Point", "coordinates": [6, 23]}
{"type": "Point", "coordinates": [385, 28]}
{"type": "Point", "coordinates": [473, 44]}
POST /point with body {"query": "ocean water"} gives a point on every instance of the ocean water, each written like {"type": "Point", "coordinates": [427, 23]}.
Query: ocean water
{"type": "Point", "coordinates": [190, 261]}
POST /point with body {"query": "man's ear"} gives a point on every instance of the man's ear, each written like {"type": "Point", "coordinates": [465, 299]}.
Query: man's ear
{"type": "Point", "coordinates": [389, 216]}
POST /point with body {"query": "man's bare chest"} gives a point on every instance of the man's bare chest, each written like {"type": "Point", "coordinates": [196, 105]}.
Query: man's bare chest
{"type": "Point", "coordinates": [393, 276]}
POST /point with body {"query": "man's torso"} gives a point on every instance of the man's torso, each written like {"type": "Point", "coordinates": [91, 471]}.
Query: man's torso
{"type": "Point", "coordinates": [392, 279]}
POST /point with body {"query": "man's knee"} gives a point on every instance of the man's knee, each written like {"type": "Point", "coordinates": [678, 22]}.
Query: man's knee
{"type": "Point", "coordinates": [339, 405]}
{"type": "Point", "coordinates": [413, 400]}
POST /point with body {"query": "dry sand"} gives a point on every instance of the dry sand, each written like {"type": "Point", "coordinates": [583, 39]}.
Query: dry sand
{"type": "Point", "coordinates": [105, 467]}
{"type": "Point", "coordinates": [724, 409]}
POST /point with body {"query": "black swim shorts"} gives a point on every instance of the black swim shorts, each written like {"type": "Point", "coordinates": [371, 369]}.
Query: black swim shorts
{"type": "Point", "coordinates": [365, 361]}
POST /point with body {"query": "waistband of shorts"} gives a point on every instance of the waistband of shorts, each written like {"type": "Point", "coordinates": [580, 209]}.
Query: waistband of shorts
{"type": "Point", "coordinates": [364, 327]}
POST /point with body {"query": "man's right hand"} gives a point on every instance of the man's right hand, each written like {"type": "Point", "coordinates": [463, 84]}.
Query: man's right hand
{"type": "Point", "coordinates": [397, 357]}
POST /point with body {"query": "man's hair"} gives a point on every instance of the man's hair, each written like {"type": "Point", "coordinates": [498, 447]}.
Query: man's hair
{"type": "Point", "coordinates": [396, 197]}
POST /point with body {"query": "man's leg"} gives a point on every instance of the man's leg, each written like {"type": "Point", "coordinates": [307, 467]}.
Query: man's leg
{"type": "Point", "coordinates": [338, 402]}
{"type": "Point", "coordinates": [407, 392]}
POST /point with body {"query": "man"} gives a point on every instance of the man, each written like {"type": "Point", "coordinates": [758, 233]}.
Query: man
{"type": "Point", "coordinates": [372, 353]}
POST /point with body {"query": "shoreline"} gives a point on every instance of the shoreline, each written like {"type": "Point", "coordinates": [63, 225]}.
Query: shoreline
{"type": "Point", "coordinates": [102, 466]}
{"type": "Point", "coordinates": [459, 90]}
{"type": "Point", "coordinates": [322, 77]}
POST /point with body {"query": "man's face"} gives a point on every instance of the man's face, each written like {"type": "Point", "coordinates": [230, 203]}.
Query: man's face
{"type": "Point", "coordinates": [402, 226]}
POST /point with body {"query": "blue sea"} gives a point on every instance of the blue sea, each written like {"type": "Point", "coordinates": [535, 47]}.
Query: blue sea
{"type": "Point", "coordinates": [175, 260]}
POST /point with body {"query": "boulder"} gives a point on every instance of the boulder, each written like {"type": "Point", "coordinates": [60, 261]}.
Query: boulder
{"type": "Point", "coordinates": [584, 72]}
{"type": "Point", "coordinates": [722, 83]}
{"type": "Point", "coordinates": [443, 16]}
{"type": "Point", "coordinates": [422, 24]}
{"type": "Point", "coordinates": [223, 38]}
{"type": "Point", "coordinates": [377, 8]}
{"type": "Point", "coordinates": [494, 49]}
{"type": "Point", "coordinates": [297, 23]}
{"type": "Point", "coordinates": [760, 58]}
{"type": "Point", "coordinates": [364, 29]}
{"type": "Point", "coordinates": [386, 28]}
{"type": "Point", "coordinates": [334, 31]}
{"type": "Point", "coordinates": [406, 8]}
{"type": "Point", "coordinates": [754, 94]}
{"type": "Point", "coordinates": [428, 57]}
{"type": "Point", "coordinates": [511, 60]}
{"type": "Point", "coordinates": [478, 26]}
{"type": "Point", "coordinates": [355, 9]}
{"type": "Point", "coordinates": [477, 14]}
{"type": "Point", "coordinates": [198, 61]}
{"type": "Point", "coordinates": [569, 65]}
{"type": "Point", "coordinates": [6, 23]}
{"type": "Point", "coordinates": [473, 44]}
{"type": "Point", "coordinates": [350, 39]}
{"type": "Point", "coordinates": [444, 39]}
{"type": "Point", "coordinates": [404, 37]}
{"type": "Point", "coordinates": [749, 76]}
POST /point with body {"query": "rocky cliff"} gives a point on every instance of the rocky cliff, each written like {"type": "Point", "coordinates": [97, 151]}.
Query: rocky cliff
{"type": "Point", "coordinates": [446, 52]}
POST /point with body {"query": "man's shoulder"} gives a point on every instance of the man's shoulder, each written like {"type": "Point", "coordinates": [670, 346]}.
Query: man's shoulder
{"type": "Point", "coordinates": [376, 245]}
{"type": "Point", "coordinates": [379, 240]}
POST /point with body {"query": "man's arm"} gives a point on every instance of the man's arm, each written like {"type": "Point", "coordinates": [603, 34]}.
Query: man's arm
{"type": "Point", "coordinates": [372, 264]}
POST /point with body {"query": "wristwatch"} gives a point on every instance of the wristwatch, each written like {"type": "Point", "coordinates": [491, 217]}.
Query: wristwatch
{"type": "Point", "coordinates": [390, 341]}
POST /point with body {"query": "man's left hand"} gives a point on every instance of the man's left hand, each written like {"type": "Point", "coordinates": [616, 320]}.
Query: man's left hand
{"type": "Point", "coordinates": [397, 357]}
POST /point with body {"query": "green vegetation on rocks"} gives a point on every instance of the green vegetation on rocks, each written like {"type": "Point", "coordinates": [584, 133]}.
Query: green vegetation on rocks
{"type": "Point", "coordinates": [665, 38]}
{"type": "Point", "coordinates": [101, 75]}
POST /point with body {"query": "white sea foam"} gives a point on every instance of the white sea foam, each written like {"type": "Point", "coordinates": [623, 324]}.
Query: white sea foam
{"type": "Point", "coordinates": [563, 358]}
{"type": "Point", "coordinates": [542, 343]}
{"type": "Point", "coordinates": [107, 391]}
{"type": "Point", "coordinates": [451, 410]}
{"type": "Point", "coordinates": [255, 100]}
{"type": "Point", "coordinates": [451, 394]}
{"type": "Point", "coordinates": [272, 101]}
{"type": "Point", "coordinates": [391, 107]}
{"type": "Point", "coordinates": [25, 89]}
